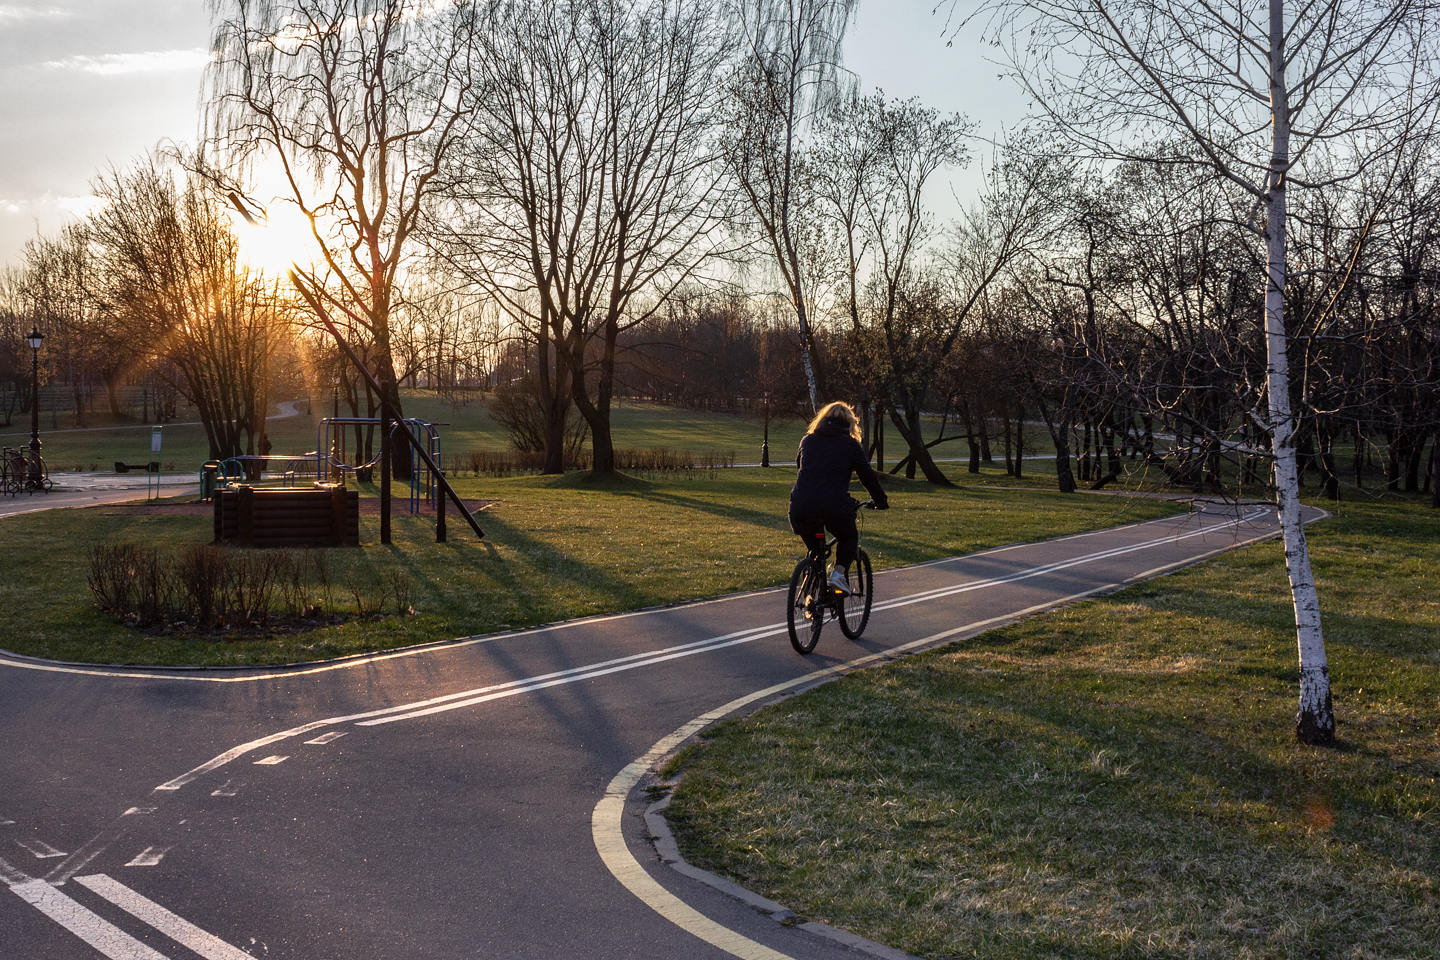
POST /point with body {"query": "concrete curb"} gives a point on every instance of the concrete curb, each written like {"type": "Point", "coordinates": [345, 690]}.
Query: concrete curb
{"type": "Point", "coordinates": [669, 852]}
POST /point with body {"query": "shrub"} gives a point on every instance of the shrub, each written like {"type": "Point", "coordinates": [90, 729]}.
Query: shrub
{"type": "Point", "coordinates": [211, 587]}
{"type": "Point", "coordinates": [112, 575]}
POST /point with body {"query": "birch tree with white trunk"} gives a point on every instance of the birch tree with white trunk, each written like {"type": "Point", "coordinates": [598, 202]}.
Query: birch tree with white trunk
{"type": "Point", "coordinates": [1261, 95]}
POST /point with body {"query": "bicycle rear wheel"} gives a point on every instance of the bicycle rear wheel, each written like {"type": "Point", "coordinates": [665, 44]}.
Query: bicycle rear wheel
{"type": "Point", "coordinates": [855, 610]}
{"type": "Point", "coordinates": [803, 615]}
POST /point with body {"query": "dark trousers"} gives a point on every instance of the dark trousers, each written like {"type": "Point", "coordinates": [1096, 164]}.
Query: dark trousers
{"type": "Point", "coordinates": [842, 525]}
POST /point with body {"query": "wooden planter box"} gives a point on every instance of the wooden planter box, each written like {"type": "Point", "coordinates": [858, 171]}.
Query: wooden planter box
{"type": "Point", "coordinates": [323, 517]}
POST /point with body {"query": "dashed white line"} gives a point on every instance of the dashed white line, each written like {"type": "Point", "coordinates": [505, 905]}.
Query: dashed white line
{"type": "Point", "coordinates": [325, 738]}
{"type": "Point", "coordinates": [271, 760]}
{"type": "Point", "coordinates": [40, 849]}
{"type": "Point", "coordinates": [149, 857]}
{"type": "Point", "coordinates": [227, 789]}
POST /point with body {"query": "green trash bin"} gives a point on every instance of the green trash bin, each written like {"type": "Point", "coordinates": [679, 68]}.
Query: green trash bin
{"type": "Point", "coordinates": [208, 473]}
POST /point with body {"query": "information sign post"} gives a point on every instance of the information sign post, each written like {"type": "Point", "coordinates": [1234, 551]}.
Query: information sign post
{"type": "Point", "coordinates": [152, 467]}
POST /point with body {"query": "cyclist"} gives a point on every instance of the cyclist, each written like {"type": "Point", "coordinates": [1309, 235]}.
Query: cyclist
{"type": "Point", "coordinates": [820, 500]}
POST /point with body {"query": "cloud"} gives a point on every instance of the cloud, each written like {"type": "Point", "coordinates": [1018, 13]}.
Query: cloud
{"type": "Point", "coordinates": [17, 13]}
{"type": "Point", "coordinates": [49, 204]}
{"type": "Point", "coordinates": [152, 61]}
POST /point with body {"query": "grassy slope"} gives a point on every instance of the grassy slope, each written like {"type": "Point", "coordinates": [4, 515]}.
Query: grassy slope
{"type": "Point", "coordinates": [555, 548]}
{"type": "Point", "coordinates": [1118, 778]}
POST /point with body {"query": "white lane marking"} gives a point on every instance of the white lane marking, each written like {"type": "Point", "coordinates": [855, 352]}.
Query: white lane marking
{"type": "Point", "coordinates": [1030, 572]}
{"type": "Point", "coordinates": [227, 789]}
{"type": "Point", "coordinates": [366, 661]}
{"type": "Point", "coordinates": [88, 926]}
{"type": "Point", "coordinates": [488, 638]}
{"type": "Point", "coordinates": [606, 820]}
{"type": "Point", "coordinates": [138, 810]}
{"type": "Point", "coordinates": [149, 857]}
{"type": "Point", "coordinates": [467, 698]}
{"type": "Point", "coordinates": [236, 752]}
{"type": "Point", "coordinates": [326, 738]}
{"type": "Point", "coordinates": [271, 760]}
{"type": "Point", "coordinates": [11, 876]}
{"type": "Point", "coordinates": [487, 694]}
{"type": "Point", "coordinates": [40, 849]}
{"type": "Point", "coordinates": [175, 927]}
{"type": "Point", "coordinates": [7, 823]}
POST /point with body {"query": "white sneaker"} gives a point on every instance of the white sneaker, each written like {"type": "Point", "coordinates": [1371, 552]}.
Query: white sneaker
{"type": "Point", "coordinates": [839, 582]}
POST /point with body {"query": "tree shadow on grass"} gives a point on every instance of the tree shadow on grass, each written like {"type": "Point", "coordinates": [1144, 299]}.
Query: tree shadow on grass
{"type": "Point", "coordinates": [1158, 817]}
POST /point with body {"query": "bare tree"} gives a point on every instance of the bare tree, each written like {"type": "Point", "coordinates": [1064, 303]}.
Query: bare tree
{"type": "Point", "coordinates": [587, 190]}
{"type": "Point", "coordinates": [789, 70]}
{"type": "Point", "coordinates": [58, 277]}
{"type": "Point", "coordinates": [358, 103]}
{"type": "Point", "coordinates": [1259, 101]}
{"type": "Point", "coordinates": [174, 283]}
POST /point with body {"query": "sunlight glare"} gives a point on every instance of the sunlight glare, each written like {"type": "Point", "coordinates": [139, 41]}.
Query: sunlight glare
{"type": "Point", "coordinates": [273, 244]}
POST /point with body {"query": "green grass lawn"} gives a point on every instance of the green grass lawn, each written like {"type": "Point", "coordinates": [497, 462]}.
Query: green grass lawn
{"type": "Point", "coordinates": [556, 548]}
{"type": "Point", "coordinates": [463, 427]}
{"type": "Point", "coordinates": [1118, 778]}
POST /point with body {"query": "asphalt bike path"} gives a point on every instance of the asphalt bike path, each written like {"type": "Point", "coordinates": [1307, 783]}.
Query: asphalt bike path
{"type": "Point", "coordinates": [483, 798]}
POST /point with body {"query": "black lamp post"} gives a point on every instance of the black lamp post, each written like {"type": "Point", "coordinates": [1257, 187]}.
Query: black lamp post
{"type": "Point", "coordinates": [765, 444]}
{"type": "Point", "coordinates": [35, 339]}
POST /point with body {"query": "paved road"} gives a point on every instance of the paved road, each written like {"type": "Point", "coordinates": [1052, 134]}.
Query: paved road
{"type": "Point", "coordinates": [475, 799]}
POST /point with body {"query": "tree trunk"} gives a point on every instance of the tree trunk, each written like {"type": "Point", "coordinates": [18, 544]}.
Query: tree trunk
{"type": "Point", "coordinates": [1435, 470]}
{"type": "Point", "coordinates": [1329, 478]}
{"type": "Point", "coordinates": [1315, 718]}
{"type": "Point", "coordinates": [879, 437]}
{"type": "Point", "coordinates": [1009, 450]}
{"type": "Point", "coordinates": [1019, 441]}
{"type": "Point", "coordinates": [918, 456]}
{"type": "Point", "coordinates": [596, 412]}
{"type": "Point", "coordinates": [1064, 475]}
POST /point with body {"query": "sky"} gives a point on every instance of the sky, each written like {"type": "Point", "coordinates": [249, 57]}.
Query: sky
{"type": "Point", "coordinates": [87, 84]}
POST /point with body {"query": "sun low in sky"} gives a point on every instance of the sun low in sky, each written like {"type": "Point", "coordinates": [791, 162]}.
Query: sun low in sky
{"type": "Point", "coordinates": [277, 240]}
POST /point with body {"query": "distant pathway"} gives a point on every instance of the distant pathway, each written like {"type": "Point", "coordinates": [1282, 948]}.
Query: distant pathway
{"type": "Point", "coordinates": [474, 799]}
{"type": "Point", "coordinates": [284, 410]}
{"type": "Point", "coordinates": [76, 489]}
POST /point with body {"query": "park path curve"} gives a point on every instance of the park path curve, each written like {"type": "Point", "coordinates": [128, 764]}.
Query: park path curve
{"type": "Point", "coordinates": [481, 798]}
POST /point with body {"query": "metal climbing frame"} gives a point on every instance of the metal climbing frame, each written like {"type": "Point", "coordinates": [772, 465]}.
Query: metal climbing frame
{"type": "Point", "coordinates": [422, 479]}
{"type": "Point", "coordinates": [423, 485]}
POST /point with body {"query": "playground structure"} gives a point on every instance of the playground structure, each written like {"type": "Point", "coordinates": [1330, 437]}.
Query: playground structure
{"type": "Point", "coordinates": [424, 472]}
{"type": "Point", "coordinates": [326, 465]}
{"type": "Point", "coordinates": [315, 295]}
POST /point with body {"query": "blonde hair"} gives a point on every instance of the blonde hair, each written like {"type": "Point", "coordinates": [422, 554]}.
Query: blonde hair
{"type": "Point", "coordinates": [841, 412]}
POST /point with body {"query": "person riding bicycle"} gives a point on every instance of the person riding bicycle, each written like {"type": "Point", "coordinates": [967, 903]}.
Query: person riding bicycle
{"type": "Point", "coordinates": [820, 500]}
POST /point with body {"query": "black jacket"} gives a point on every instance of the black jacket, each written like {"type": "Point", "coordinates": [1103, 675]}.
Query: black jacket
{"type": "Point", "coordinates": [826, 459]}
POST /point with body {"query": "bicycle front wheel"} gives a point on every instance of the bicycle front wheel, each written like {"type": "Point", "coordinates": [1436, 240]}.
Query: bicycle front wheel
{"type": "Point", "coordinates": [855, 610]}
{"type": "Point", "coordinates": [803, 616]}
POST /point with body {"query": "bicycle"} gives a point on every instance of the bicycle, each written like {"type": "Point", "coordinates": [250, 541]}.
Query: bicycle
{"type": "Point", "coordinates": [13, 471]}
{"type": "Point", "coordinates": [812, 600]}
{"type": "Point", "coordinates": [16, 473]}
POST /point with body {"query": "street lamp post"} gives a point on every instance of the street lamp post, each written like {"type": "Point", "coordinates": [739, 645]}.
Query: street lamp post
{"type": "Point", "coordinates": [765, 444]}
{"type": "Point", "coordinates": [34, 480]}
